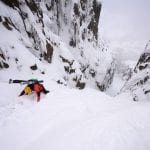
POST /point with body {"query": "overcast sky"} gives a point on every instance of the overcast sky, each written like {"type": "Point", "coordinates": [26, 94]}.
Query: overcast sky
{"type": "Point", "coordinates": [126, 25]}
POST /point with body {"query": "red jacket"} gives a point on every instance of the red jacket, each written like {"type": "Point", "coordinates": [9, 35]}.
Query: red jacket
{"type": "Point", "coordinates": [37, 87]}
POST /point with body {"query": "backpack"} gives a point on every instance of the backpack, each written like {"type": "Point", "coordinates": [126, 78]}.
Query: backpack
{"type": "Point", "coordinates": [27, 90]}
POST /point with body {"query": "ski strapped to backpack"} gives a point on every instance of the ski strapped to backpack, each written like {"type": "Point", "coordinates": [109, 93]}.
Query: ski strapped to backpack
{"type": "Point", "coordinates": [31, 81]}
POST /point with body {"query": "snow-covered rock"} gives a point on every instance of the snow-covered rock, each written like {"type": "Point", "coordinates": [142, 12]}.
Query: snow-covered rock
{"type": "Point", "coordinates": [140, 80]}
{"type": "Point", "coordinates": [60, 38]}
{"type": "Point", "coordinates": [58, 41]}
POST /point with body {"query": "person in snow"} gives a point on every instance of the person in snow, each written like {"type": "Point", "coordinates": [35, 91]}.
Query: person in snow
{"type": "Point", "coordinates": [34, 87]}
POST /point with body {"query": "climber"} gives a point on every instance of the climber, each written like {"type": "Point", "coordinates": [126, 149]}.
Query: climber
{"type": "Point", "coordinates": [36, 87]}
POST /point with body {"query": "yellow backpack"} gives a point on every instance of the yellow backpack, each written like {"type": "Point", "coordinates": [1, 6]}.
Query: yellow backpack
{"type": "Point", "coordinates": [27, 90]}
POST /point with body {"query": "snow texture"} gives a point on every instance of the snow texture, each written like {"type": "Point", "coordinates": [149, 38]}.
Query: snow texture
{"type": "Point", "coordinates": [72, 119]}
{"type": "Point", "coordinates": [58, 42]}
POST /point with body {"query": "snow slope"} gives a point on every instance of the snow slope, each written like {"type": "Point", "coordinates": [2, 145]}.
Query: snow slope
{"type": "Point", "coordinates": [67, 119]}
{"type": "Point", "coordinates": [71, 119]}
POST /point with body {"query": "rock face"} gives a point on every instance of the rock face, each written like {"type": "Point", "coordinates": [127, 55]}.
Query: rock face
{"type": "Point", "coordinates": [77, 20]}
{"type": "Point", "coordinates": [3, 63]}
{"type": "Point", "coordinates": [140, 80]}
{"type": "Point", "coordinates": [62, 33]}
{"type": "Point", "coordinates": [144, 60]}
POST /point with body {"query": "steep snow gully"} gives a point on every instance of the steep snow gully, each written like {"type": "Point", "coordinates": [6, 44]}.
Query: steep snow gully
{"type": "Point", "coordinates": [45, 41]}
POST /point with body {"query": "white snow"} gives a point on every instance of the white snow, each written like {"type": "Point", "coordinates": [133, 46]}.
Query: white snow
{"type": "Point", "coordinates": [72, 119]}
{"type": "Point", "coordinates": [66, 118]}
